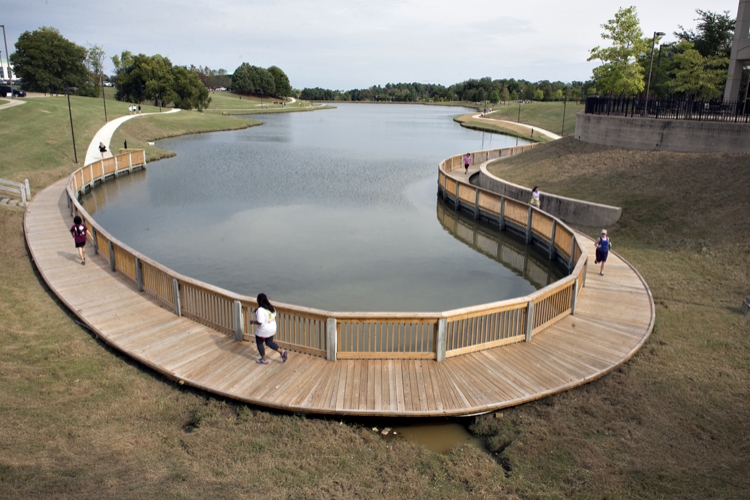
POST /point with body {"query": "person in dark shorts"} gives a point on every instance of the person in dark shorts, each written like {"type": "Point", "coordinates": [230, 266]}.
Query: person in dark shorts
{"type": "Point", "coordinates": [79, 232]}
{"type": "Point", "coordinates": [603, 244]}
{"type": "Point", "coordinates": [467, 162]}
{"type": "Point", "coordinates": [265, 318]}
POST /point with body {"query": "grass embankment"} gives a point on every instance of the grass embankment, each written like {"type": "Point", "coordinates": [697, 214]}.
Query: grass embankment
{"type": "Point", "coordinates": [82, 421]}
{"type": "Point", "coordinates": [545, 115]}
{"type": "Point", "coordinates": [228, 103]}
{"type": "Point", "coordinates": [674, 421]}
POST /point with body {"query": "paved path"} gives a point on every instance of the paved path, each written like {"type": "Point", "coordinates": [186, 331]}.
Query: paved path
{"type": "Point", "coordinates": [11, 102]}
{"type": "Point", "coordinates": [538, 130]}
{"type": "Point", "coordinates": [105, 135]}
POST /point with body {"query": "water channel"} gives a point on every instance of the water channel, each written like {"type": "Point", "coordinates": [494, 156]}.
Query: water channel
{"type": "Point", "coordinates": [332, 209]}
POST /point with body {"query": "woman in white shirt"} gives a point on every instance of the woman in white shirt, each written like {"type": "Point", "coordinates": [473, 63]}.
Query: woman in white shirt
{"type": "Point", "coordinates": [265, 318]}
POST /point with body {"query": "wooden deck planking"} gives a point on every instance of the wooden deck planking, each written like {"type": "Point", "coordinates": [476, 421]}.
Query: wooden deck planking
{"type": "Point", "coordinates": [614, 316]}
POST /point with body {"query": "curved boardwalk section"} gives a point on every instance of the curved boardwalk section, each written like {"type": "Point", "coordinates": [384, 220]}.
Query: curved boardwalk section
{"type": "Point", "coordinates": [613, 317]}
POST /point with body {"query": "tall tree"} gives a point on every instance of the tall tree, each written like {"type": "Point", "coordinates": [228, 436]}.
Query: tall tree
{"type": "Point", "coordinates": [45, 60]}
{"type": "Point", "coordinates": [95, 65]}
{"type": "Point", "coordinates": [281, 82]}
{"type": "Point", "coordinates": [714, 33]}
{"type": "Point", "coordinates": [620, 72]}
{"type": "Point", "coordinates": [695, 75]}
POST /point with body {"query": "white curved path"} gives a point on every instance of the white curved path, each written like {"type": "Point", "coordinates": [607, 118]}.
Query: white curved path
{"type": "Point", "coordinates": [542, 131]}
{"type": "Point", "coordinates": [105, 135]}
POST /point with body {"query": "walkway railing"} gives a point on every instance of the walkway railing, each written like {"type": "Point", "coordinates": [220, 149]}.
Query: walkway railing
{"type": "Point", "coordinates": [346, 335]}
{"type": "Point", "coordinates": [17, 188]}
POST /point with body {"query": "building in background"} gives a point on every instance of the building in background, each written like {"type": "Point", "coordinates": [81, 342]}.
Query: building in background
{"type": "Point", "coordinates": [740, 53]}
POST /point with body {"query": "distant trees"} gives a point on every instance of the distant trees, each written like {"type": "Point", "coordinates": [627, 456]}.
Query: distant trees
{"type": "Point", "coordinates": [470, 90]}
{"type": "Point", "coordinates": [143, 77]}
{"type": "Point", "coordinates": [249, 79]}
{"type": "Point", "coordinates": [281, 82]}
{"type": "Point", "coordinates": [47, 61]}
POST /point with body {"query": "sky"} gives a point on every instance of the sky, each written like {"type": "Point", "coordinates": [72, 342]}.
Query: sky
{"type": "Point", "coordinates": [345, 44]}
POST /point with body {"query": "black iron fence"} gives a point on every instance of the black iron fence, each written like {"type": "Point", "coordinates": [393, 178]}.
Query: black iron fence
{"type": "Point", "coordinates": [672, 109]}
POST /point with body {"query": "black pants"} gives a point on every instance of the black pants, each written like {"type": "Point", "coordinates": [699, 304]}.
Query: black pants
{"type": "Point", "coordinates": [259, 341]}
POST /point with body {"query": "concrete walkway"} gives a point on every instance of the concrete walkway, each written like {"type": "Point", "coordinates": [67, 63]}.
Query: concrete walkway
{"type": "Point", "coordinates": [541, 131]}
{"type": "Point", "coordinates": [105, 135]}
{"type": "Point", "coordinates": [11, 102]}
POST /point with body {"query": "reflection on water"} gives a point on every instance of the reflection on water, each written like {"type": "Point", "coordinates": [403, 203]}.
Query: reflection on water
{"type": "Point", "coordinates": [524, 260]}
{"type": "Point", "coordinates": [332, 209]}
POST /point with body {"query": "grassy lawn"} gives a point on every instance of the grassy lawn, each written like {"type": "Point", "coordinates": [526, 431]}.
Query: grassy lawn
{"type": "Point", "coordinates": [673, 422]}
{"type": "Point", "coordinates": [82, 421]}
{"type": "Point", "coordinates": [546, 115]}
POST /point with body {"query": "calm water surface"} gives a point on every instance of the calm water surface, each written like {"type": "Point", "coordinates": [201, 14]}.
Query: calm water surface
{"type": "Point", "coordinates": [331, 209]}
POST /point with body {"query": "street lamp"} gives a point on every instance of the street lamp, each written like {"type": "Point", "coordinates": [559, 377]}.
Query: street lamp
{"type": "Point", "coordinates": [520, 98]}
{"type": "Point", "coordinates": [7, 57]}
{"type": "Point", "coordinates": [651, 65]}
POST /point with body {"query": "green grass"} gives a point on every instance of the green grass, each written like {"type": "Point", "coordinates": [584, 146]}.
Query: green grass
{"type": "Point", "coordinates": [82, 421]}
{"type": "Point", "coordinates": [510, 129]}
{"type": "Point", "coordinates": [546, 115]}
{"type": "Point", "coordinates": [672, 422]}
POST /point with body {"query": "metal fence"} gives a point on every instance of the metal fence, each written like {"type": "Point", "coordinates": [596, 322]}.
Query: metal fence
{"type": "Point", "coordinates": [672, 109]}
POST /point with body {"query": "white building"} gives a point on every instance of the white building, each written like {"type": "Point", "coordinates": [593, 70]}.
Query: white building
{"type": "Point", "coordinates": [4, 69]}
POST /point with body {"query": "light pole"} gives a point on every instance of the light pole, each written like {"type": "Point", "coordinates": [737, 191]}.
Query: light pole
{"type": "Point", "coordinates": [651, 65]}
{"type": "Point", "coordinates": [7, 57]}
{"type": "Point", "coordinates": [520, 98]}
{"type": "Point", "coordinates": [72, 133]}
{"type": "Point", "coordinates": [101, 85]}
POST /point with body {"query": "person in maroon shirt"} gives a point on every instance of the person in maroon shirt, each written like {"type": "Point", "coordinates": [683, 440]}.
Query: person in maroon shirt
{"type": "Point", "coordinates": [79, 232]}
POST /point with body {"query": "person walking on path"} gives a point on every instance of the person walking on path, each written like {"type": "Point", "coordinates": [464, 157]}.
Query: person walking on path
{"type": "Point", "coordinates": [467, 162]}
{"type": "Point", "coordinates": [535, 197]}
{"type": "Point", "coordinates": [79, 232]}
{"type": "Point", "coordinates": [265, 318]}
{"type": "Point", "coordinates": [102, 149]}
{"type": "Point", "coordinates": [603, 244]}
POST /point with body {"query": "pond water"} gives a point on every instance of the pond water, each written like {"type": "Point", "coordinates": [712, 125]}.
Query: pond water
{"type": "Point", "coordinates": [333, 209]}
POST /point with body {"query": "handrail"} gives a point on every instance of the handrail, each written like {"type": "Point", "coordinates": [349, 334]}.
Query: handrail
{"type": "Point", "coordinates": [21, 188]}
{"type": "Point", "coordinates": [362, 335]}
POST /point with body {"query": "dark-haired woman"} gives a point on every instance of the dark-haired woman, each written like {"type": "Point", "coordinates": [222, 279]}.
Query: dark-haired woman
{"type": "Point", "coordinates": [79, 232]}
{"type": "Point", "coordinates": [535, 197]}
{"type": "Point", "coordinates": [265, 318]}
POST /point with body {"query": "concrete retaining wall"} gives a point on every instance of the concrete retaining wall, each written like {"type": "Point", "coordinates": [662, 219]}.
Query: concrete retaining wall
{"type": "Point", "coordinates": [572, 211]}
{"type": "Point", "coordinates": [651, 134]}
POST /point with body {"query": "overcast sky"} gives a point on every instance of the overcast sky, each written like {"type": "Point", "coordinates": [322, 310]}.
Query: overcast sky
{"type": "Point", "coordinates": [344, 44]}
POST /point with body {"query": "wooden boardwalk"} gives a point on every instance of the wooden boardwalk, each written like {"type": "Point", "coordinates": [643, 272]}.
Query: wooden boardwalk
{"type": "Point", "coordinates": [614, 318]}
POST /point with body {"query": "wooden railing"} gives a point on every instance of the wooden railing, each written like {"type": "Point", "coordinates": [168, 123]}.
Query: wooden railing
{"type": "Point", "coordinates": [333, 335]}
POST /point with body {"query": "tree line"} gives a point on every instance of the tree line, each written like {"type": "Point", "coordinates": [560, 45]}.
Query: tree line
{"type": "Point", "coordinates": [695, 66]}
{"type": "Point", "coordinates": [472, 90]}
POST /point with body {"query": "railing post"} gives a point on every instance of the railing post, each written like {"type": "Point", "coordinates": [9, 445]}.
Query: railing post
{"type": "Point", "coordinates": [501, 219]}
{"type": "Point", "coordinates": [28, 189]}
{"type": "Point", "coordinates": [103, 174]}
{"type": "Point", "coordinates": [95, 243]}
{"type": "Point", "coordinates": [528, 225]}
{"type": "Point", "coordinates": [442, 335]}
{"type": "Point", "coordinates": [176, 294]}
{"type": "Point", "coordinates": [239, 327]}
{"type": "Point", "coordinates": [331, 339]}
{"type": "Point", "coordinates": [476, 205]}
{"type": "Point", "coordinates": [139, 274]}
{"type": "Point", "coordinates": [111, 256]}
{"type": "Point", "coordinates": [23, 196]}
{"type": "Point", "coordinates": [552, 240]}
{"type": "Point", "coordinates": [585, 271]}
{"type": "Point", "coordinates": [574, 300]}
{"type": "Point", "coordinates": [572, 251]}
{"type": "Point", "coordinates": [457, 203]}
{"type": "Point", "coordinates": [529, 320]}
